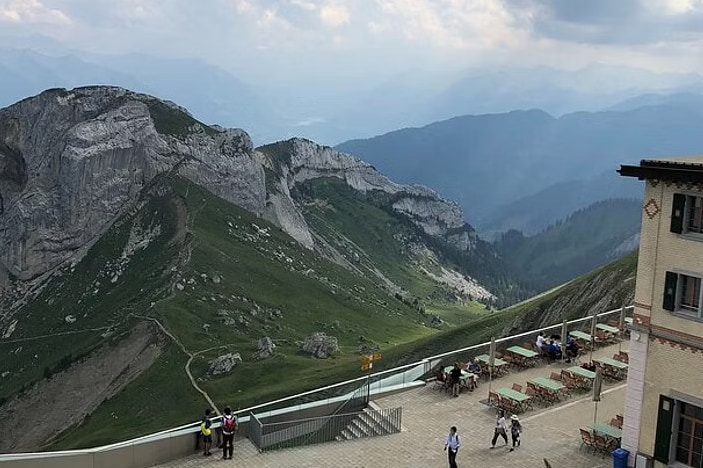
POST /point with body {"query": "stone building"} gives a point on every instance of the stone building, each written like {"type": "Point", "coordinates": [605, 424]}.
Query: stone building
{"type": "Point", "coordinates": [663, 420]}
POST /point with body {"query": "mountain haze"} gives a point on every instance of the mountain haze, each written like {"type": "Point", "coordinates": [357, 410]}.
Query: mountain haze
{"type": "Point", "coordinates": [488, 163]}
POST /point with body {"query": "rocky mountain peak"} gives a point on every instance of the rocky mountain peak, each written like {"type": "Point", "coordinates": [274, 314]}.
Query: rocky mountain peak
{"type": "Point", "coordinates": [71, 161]}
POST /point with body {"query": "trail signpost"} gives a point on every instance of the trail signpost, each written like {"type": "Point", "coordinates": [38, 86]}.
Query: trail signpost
{"type": "Point", "coordinates": [367, 361]}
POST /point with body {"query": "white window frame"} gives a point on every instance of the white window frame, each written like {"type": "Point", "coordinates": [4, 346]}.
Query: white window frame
{"type": "Point", "coordinates": [687, 215]}
{"type": "Point", "coordinates": [686, 312]}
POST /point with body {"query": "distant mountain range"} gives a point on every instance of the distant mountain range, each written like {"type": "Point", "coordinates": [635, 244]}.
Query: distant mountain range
{"type": "Point", "coordinates": [527, 169]}
{"type": "Point", "coordinates": [338, 110]}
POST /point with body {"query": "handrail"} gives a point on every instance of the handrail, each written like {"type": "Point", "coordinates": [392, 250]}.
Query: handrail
{"type": "Point", "coordinates": [194, 425]}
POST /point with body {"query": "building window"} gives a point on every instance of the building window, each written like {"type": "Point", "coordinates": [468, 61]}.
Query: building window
{"type": "Point", "coordinates": [689, 436]}
{"type": "Point", "coordinates": [687, 214]}
{"type": "Point", "coordinates": [683, 293]}
{"type": "Point", "coordinates": [690, 294]}
{"type": "Point", "coordinates": [694, 214]}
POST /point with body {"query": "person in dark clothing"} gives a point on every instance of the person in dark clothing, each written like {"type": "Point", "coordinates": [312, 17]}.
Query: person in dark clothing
{"type": "Point", "coordinates": [456, 379]}
{"type": "Point", "coordinates": [515, 430]}
{"type": "Point", "coordinates": [205, 430]}
{"type": "Point", "coordinates": [228, 426]}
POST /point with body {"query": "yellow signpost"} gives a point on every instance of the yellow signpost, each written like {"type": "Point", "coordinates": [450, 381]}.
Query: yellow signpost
{"type": "Point", "coordinates": [366, 365]}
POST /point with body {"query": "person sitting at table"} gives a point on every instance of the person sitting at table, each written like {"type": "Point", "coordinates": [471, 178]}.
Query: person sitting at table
{"type": "Point", "coordinates": [572, 348]}
{"type": "Point", "coordinates": [475, 369]}
{"type": "Point", "coordinates": [456, 379]}
{"type": "Point", "coordinates": [541, 343]}
{"type": "Point", "coordinates": [554, 350]}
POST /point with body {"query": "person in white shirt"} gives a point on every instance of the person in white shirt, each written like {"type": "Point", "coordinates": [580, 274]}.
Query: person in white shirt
{"type": "Point", "coordinates": [541, 342]}
{"type": "Point", "coordinates": [451, 445]}
{"type": "Point", "coordinates": [500, 429]}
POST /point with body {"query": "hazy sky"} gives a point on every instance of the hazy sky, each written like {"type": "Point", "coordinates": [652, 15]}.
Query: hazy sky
{"type": "Point", "coordinates": [293, 39]}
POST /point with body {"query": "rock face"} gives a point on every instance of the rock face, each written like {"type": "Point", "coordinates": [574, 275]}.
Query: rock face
{"type": "Point", "coordinates": [72, 161]}
{"type": "Point", "coordinates": [223, 364]}
{"type": "Point", "coordinates": [320, 345]}
{"type": "Point", "coordinates": [264, 348]}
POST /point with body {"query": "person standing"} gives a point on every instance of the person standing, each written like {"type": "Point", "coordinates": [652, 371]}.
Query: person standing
{"type": "Point", "coordinates": [228, 426]}
{"type": "Point", "coordinates": [515, 430]}
{"type": "Point", "coordinates": [451, 446]}
{"type": "Point", "coordinates": [205, 425]}
{"type": "Point", "coordinates": [456, 379]}
{"type": "Point", "coordinates": [500, 429]}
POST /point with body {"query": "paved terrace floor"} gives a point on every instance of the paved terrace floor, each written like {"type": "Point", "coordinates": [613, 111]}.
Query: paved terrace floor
{"type": "Point", "coordinates": [548, 432]}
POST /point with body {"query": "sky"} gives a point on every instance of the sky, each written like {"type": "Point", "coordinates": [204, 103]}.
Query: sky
{"type": "Point", "coordinates": [315, 40]}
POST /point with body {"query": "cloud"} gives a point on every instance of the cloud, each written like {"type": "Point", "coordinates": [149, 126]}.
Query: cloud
{"type": "Point", "coordinates": [335, 15]}
{"type": "Point", "coordinates": [31, 12]}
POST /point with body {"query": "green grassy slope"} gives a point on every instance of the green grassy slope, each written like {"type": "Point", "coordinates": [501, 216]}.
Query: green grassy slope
{"type": "Point", "coordinates": [219, 278]}
{"type": "Point", "coordinates": [584, 241]}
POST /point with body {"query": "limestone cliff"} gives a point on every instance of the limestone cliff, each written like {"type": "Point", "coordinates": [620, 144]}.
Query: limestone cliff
{"type": "Point", "coordinates": [72, 161]}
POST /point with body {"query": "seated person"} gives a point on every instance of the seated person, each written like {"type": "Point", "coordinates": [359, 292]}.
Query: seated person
{"type": "Point", "coordinates": [475, 369]}
{"type": "Point", "coordinates": [541, 343]}
{"type": "Point", "coordinates": [572, 348]}
{"type": "Point", "coordinates": [554, 350]}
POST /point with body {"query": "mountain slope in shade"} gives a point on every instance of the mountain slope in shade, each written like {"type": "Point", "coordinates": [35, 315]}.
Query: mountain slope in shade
{"type": "Point", "coordinates": [489, 161]}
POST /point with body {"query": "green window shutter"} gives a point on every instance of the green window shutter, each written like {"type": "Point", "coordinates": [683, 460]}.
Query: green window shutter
{"type": "Point", "coordinates": [670, 291]}
{"type": "Point", "coordinates": [677, 213]}
{"type": "Point", "coordinates": [665, 420]}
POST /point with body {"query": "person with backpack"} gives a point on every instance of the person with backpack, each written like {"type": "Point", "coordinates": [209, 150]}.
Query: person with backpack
{"type": "Point", "coordinates": [229, 425]}
{"type": "Point", "coordinates": [205, 430]}
{"type": "Point", "coordinates": [515, 430]}
{"type": "Point", "coordinates": [451, 446]}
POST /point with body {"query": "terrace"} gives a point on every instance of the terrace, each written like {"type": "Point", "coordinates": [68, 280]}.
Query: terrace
{"type": "Point", "coordinates": [550, 432]}
{"type": "Point", "coordinates": [550, 428]}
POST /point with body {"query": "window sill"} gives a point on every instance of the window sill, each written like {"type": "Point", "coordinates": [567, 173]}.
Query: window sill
{"type": "Point", "coordinates": [693, 236]}
{"type": "Point", "coordinates": [685, 315]}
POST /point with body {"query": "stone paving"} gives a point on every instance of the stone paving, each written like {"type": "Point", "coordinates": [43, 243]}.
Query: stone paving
{"type": "Point", "coordinates": [549, 432]}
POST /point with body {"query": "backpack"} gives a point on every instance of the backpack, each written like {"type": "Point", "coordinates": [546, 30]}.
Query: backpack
{"type": "Point", "coordinates": [228, 424]}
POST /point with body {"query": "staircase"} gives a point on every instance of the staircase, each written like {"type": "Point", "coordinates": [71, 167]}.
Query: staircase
{"type": "Point", "coordinates": [371, 423]}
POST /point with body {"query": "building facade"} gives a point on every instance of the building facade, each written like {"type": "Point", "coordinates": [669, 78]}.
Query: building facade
{"type": "Point", "coordinates": [663, 419]}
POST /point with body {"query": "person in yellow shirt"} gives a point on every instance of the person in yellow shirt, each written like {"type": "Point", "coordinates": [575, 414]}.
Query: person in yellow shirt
{"type": "Point", "coordinates": [205, 430]}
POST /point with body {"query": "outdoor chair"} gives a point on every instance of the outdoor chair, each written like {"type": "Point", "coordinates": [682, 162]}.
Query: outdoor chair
{"type": "Point", "coordinates": [615, 422]}
{"type": "Point", "coordinates": [586, 439]}
{"type": "Point", "coordinates": [555, 376]}
{"type": "Point", "coordinates": [601, 444]}
{"type": "Point", "coordinates": [517, 387]}
{"type": "Point", "coordinates": [620, 418]}
{"type": "Point", "coordinates": [493, 399]}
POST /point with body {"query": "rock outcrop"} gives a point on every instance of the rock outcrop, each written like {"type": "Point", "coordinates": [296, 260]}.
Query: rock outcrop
{"type": "Point", "coordinates": [223, 364]}
{"type": "Point", "coordinates": [320, 345]}
{"type": "Point", "coordinates": [264, 348]}
{"type": "Point", "coordinates": [72, 161]}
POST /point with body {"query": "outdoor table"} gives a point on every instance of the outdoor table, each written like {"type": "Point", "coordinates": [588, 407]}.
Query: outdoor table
{"type": "Point", "coordinates": [521, 356]}
{"type": "Point", "coordinates": [497, 362]}
{"type": "Point", "coordinates": [581, 372]}
{"type": "Point", "coordinates": [584, 377]}
{"type": "Point", "coordinates": [581, 335]}
{"type": "Point", "coordinates": [520, 400]}
{"type": "Point", "coordinates": [613, 363]}
{"type": "Point", "coordinates": [628, 320]}
{"type": "Point", "coordinates": [553, 388]}
{"type": "Point", "coordinates": [607, 328]}
{"type": "Point", "coordinates": [607, 430]}
{"type": "Point", "coordinates": [613, 368]}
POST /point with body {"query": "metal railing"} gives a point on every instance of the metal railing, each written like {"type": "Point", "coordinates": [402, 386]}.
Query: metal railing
{"type": "Point", "coordinates": [296, 433]}
{"type": "Point", "coordinates": [396, 378]}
